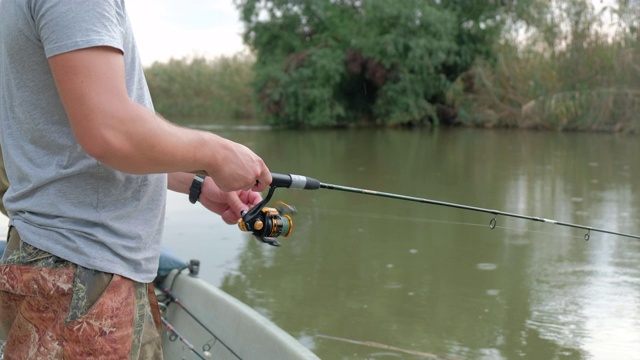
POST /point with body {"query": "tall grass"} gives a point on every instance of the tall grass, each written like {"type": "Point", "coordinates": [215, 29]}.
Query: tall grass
{"type": "Point", "coordinates": [204, 91]}
{"type": "Point", "coordinates": [581, 80]}
{"type": "Point", "coordinates": [595, 89]}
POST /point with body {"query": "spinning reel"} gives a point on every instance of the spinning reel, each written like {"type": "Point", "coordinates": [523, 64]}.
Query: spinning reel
{"type": "Point", "coordinates": [268, 223]}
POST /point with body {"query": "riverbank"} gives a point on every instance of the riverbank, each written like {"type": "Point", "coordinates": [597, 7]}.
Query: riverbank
{"type": "Point", "coordinates": [589, 88]}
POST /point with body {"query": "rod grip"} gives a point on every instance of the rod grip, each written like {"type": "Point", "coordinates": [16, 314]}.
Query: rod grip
{"type": "Point", "coordinates": [294, 181]}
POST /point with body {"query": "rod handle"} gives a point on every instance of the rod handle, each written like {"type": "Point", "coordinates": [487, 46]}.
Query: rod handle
{"type": "Point", "coordinates": [294, 181]}
{"type": "Point", "coordinates": [285, 180]}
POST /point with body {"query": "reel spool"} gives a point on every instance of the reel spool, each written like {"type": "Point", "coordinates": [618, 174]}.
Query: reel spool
{"type": "Point", "coordinates": [268, 223]}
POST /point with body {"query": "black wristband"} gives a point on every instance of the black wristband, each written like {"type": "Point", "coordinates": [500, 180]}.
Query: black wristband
{"type": "Point", "coordinates": [196, 188]}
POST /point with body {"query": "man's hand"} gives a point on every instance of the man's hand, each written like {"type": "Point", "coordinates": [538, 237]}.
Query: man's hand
{"type": "Point", "coordinates": [229, 205]}
{"type": "Point", "coordinates": [239, 168]}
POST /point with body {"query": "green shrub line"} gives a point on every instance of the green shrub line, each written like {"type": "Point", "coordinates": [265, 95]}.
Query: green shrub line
{"type": "Point", "coordinates": [521, 91]}
{"type": "Point", "coordinates": [585, 78]}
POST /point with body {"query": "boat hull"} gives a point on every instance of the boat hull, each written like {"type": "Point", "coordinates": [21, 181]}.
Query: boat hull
{"type": "Point", "coordinates": [240, 332]}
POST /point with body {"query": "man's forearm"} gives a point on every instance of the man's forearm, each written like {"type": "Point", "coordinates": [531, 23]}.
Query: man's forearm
{"type": "Point", "coordinates": [135, 140]}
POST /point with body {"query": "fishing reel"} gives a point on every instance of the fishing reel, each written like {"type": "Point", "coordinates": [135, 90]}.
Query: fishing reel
{"type": "Point", "coordinates": [268, 223]}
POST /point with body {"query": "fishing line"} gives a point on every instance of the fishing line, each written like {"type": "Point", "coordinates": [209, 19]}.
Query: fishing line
{"type": "Point", "coordinates": [431, 221]}
{"type": "Point", "coordinates": [386, 347]}
{"type": "Point", "coordinates": [342, 213]}
{"type": "Point", "coordinates": [307, 183]}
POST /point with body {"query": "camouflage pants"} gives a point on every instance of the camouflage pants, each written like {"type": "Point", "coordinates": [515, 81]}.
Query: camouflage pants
{"type": "Point", "coordinates": [53, 309]}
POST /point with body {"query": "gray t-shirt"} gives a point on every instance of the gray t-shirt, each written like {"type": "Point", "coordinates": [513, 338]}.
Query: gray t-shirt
{"type": "Point", "coordinates": [62, 200]}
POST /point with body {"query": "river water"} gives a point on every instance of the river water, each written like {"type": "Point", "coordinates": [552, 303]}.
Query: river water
{"type": "Point", "coordinates": [364, 277]}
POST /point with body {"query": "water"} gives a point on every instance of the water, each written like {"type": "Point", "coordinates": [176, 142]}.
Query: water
{"type": "Point", "coordinates": [363, 277]}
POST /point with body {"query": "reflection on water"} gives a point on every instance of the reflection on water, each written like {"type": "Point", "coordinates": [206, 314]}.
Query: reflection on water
{"type": "Point", "coordinates": [437, 280]}
{"type": "Point", "coordinates": [601, 315]}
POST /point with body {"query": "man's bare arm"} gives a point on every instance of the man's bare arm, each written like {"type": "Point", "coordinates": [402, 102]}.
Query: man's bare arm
{"type": "Point", "coordinates": [128, 137]}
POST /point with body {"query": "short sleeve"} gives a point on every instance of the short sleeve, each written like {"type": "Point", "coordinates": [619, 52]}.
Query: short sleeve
{"type": "Point", "coordinates": [68, 25]}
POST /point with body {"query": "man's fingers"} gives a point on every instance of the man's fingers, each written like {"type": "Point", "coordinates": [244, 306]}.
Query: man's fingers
{"type": "Point", "coordinates": [230, 217]}
{"type": "Point", "coordinates": [236, 205]}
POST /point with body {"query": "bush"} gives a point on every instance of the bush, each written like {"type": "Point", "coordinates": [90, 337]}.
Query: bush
{"type": "Point", "coordinates": [336, 63]}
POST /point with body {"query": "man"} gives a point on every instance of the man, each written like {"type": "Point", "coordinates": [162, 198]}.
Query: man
{"type": "Point", "coordinates": [4, 185]}
{"type": "Point", "coordinates": [87, 160]}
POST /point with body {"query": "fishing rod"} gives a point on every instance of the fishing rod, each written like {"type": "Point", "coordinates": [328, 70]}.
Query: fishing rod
{"type": "Point", "coordinates": [175, 335]}
{"type": "Point", "coordinates": [174, 299]}
{"type": "Point", "coordinates": [268, 223]}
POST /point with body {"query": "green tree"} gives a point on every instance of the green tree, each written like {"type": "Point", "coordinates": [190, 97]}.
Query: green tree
{"type": "Point", "coordinates": [338, 62]}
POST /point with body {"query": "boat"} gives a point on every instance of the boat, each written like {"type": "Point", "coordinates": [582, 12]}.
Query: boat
{"type": "Point", "coordinates": [203, 322]}
{"type": "Point", "coordinates": [200, 321]}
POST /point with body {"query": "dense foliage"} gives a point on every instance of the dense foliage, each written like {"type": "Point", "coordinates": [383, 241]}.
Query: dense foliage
{"type": "Point", "coordinates": [552, 64]}
{"type": "Point", "coordinates": [328, 63]}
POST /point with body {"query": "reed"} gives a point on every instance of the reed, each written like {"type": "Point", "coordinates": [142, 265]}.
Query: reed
{"type": "Point", "coordinates": [197, 91]}
{"type": "Point", "coordinates": [586, 82]}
